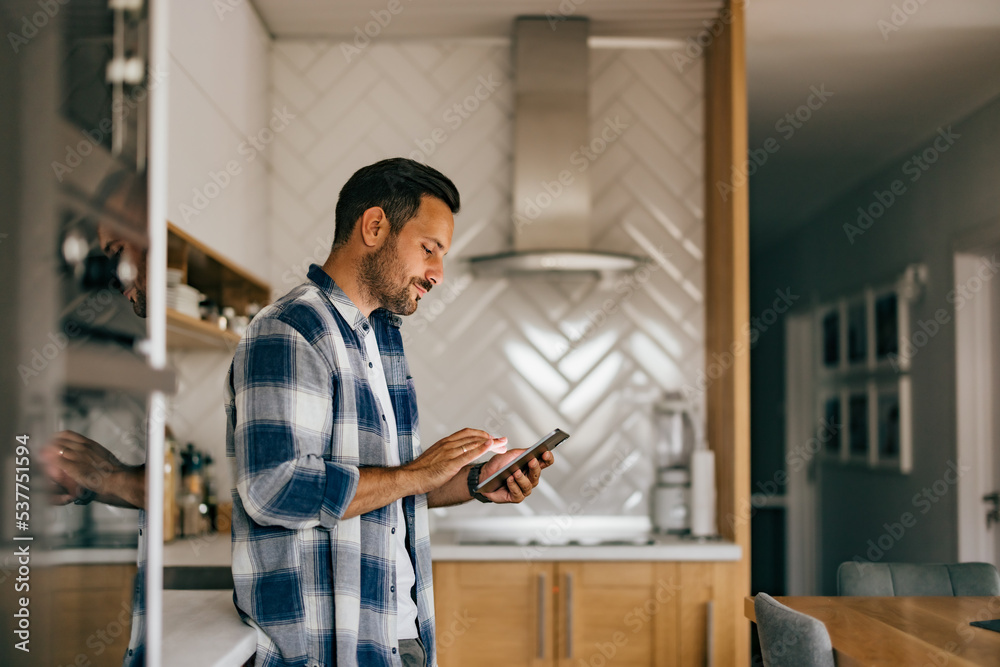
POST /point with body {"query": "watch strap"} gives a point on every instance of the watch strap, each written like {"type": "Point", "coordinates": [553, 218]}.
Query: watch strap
{"type": "Point", "coordinates": [473, 481]}
{"type": "Point", "coordinates": [86, 495]}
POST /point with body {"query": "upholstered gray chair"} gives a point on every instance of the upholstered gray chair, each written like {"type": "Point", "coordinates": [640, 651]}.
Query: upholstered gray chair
{"type": "Point", "coordinates": [789, 638]}
{"type": "Point", "coordinates": [888, 579]}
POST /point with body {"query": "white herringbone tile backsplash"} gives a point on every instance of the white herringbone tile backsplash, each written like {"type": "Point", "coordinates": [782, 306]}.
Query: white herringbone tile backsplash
{"type": "Point", "coordinates": [522, 355]}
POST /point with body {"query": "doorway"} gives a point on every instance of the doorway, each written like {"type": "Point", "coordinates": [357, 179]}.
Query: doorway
{"type": "Point", "coordinates": [802, 509]}
{"type": "Point", "coordinates": [977, 337]}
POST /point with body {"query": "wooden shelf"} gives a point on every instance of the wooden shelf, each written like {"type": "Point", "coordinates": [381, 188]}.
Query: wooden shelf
{"type": "Point", "coordinates": [220, 280]}
{"type": "Point", "coordinates": [107, 367]}
{"type": "Point", "coordinates": [189, 333]}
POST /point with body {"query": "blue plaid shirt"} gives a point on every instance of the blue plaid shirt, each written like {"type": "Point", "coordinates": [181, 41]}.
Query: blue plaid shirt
{"type": "Point", "coordinates": [135, 655]}
{"type": "Point", "coordinates": [302, 420]}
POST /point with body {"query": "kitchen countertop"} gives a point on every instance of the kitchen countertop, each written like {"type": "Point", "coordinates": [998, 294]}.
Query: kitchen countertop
{"type": "Point", "coordinates": [202, 628]}
{"type": "Point", "coordinates": [87, 556]}
{"type": "Point", "coordinates": [214, 549]}
{"type": "Point", "coordinates": [207, 550]}
{"type": "Point", "coordinates": [446, 547]}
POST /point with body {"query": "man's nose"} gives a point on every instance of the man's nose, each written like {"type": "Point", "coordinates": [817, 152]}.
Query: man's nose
{"type": "Point", "coordinates": [435, 273]}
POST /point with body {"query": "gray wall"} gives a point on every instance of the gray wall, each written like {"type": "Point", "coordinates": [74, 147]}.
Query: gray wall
{"type": "Point", "coordinates": [959, 192]}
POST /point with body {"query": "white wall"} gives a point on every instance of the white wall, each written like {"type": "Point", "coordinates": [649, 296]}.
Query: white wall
{"type": "Point", "coordinates": [495, 353]}
{"type": "Point", "coordinates": [218, 98]}
{"type": "Point", "coordinates": [957, 193]}
{"type": "Point", "coordinates": [506, 354]}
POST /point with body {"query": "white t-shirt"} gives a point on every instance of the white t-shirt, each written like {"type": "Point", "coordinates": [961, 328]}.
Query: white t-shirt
{"type": "Point", "coordinates": [406, 611]}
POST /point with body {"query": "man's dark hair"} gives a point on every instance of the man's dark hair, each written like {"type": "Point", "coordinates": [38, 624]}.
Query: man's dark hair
{"type": "Point", "coordinates": [132, 187]}
{"type": "Point", "coordinates": [396, 185]}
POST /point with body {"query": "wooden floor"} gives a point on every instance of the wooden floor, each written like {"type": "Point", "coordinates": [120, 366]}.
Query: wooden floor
{"type": "Point", "coordinates": [904, 630]}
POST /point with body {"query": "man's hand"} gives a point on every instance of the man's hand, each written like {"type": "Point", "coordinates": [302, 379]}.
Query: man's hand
{"type": "Point", "coordinates": [446, 457]}
{"type": "Point", "coordinates": [519, 485]}
{"type": "Point", "coordinates": [75, 463]}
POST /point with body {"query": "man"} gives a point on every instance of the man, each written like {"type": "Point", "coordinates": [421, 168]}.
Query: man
{"type": "Point", "coordinates": [81, 469]}
{"type": "Point", "coordinates": [331, 550]}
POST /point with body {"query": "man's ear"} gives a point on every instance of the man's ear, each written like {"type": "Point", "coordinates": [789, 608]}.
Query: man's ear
{"type": "Point", "coordinates": [374, 226]}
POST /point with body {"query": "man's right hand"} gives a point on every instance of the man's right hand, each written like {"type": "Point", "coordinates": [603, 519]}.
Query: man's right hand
{"type": "Point", "coordinates": [446, 457]}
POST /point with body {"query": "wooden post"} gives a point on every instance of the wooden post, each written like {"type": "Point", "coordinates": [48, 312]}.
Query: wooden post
{"type": "Point", "coordinates": [728, 301]}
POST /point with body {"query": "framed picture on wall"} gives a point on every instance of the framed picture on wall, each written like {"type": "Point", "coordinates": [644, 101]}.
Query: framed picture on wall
{"type": "Point", "coordinates": [892, 326]}
{"type": "Point", "coordinates": [863, 373]}
{"type": "Point", "coordinates": [857, 333]}
{"type": "Point", "coordinates": [893, 433]}
{"type": "Point", "coordinates": [886, 325]}
{"type": "Point", "coordinates": [888, 426]}
{"type": "Point", "coordinates": [830, 337]}
{"type": "Point", "coordinates": [866, 330]}
{"type": "Point", "coordinates": [830, 430]}
{"type": "Point", "coordinates": [858, 431]}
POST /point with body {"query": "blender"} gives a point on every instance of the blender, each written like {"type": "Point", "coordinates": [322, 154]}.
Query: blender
{"type": "Point", "coordinates": [677, 434]}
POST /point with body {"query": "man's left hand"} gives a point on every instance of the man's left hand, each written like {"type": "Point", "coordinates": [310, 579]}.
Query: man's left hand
{"type": "Point", "coordinates": [519, 485]}
{"type": "Point", "coordinates": [75, 463]}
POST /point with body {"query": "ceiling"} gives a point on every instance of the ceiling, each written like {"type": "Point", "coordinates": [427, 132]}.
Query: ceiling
{"type": "Point", "coordinates": [889, 92]}
{"type": "Point", "coordinates": [483, 18]}
{"type": "Point", "coordinates": [889, 95]}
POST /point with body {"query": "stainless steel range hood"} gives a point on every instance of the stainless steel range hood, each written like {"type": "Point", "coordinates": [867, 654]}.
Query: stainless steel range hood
{"type": "Point", "coordinates": [551, 195]}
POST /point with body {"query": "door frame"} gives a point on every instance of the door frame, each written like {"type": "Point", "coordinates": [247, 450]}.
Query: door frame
{"type": "Point", "coordinates": [976, 394]}
{"type": "Point", "coordinates": [802, 520]}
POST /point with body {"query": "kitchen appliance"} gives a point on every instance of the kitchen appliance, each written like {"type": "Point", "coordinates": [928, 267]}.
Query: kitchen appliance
{"type": "Point", "coordinates": [703, 494]}
{"type": "Point", "coordinates": [677, 435]}
{"type": "Point", "coordinates": [671, 501]}
{"type": "Point", "coordinates": [551, 207]}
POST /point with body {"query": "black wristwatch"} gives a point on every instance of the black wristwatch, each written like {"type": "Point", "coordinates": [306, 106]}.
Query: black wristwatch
{"type": "Point", "coordinates": [473, 480]}
{"type": "Point", "coordinates": [86, 495]}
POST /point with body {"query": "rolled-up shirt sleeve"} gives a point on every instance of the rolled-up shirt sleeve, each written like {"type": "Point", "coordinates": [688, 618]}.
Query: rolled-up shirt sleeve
{"type": "Point", "coordinates": [283, 392]}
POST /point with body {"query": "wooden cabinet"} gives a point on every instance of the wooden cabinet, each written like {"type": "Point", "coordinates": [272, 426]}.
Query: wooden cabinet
{"type": "Point", "coordinates": [584, 613]}
{"type": "Point", "coordinates": [90, 609]}
{"type": "Point", "coordinates": [494, 614]}
{"type": "Point", "coordinates": [610, 612]}
{"type": "Point", "coordinates": [219, 279]}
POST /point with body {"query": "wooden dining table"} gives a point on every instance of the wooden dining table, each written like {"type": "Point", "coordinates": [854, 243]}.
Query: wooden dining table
{"type": "Point", "coordinates": [903, 631]}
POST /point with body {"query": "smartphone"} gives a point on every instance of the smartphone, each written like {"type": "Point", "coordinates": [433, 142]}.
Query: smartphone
{"type": "Point", "coordinates": [499, 478]}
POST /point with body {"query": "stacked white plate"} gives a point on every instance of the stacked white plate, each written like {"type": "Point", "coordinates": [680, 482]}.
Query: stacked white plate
{"type": "Point", "coordinates": [184, 299]}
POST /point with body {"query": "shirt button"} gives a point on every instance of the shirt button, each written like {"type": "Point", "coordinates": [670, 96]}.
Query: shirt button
{"type": "Point", "coordinates": [140, 531]}
{"type": "Point", "coordinates": [370, 365]}
{"type": "Point", "coordinates": [365, 327]}
{"type": "Point", "coordinates": [383, 417]}
{"type": "Point", "coordinates": [393, 531]}
{"type": "Point", "coordinates": [394, 650]}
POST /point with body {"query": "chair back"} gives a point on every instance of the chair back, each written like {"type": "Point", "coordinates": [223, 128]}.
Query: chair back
{"type": "Point", "coordinates": [789, 638]}
{"type": "Point", "coordinates": [917, 579]}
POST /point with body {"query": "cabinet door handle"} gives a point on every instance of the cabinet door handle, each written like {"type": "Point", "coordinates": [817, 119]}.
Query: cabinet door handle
{"type": "Point", "coordinates": [569, 614]}
{"type": "Point", "coordinates": [709, 633]}
{"type": "Point", "coordinates": [542, 586]}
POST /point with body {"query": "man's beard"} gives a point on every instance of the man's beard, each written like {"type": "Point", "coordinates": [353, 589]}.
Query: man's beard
{"type": "Point", "coordinates": [383, 280]}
